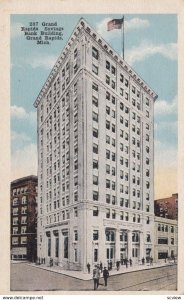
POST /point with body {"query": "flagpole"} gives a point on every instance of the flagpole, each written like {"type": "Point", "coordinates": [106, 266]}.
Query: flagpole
{"type": "Point", "coordinates": [123, 36]}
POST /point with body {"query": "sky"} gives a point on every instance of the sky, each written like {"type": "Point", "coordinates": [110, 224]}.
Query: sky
{"type": "Point", "coordinates": [150, 49]}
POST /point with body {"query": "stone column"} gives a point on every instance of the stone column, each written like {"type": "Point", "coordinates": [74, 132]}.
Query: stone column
{"type": "Point", "coordinates": [117, 245]}
{"type": "Point", "coordinates": [141, 246]}
{"type": "Point", "coordinates": [60, 247]}
{"type": "Point", "coordinates": [129, 244]}
{"type": "Point", "coordinates": [102, 247]}
{"type": "Point", "coordinates": [52, 245]}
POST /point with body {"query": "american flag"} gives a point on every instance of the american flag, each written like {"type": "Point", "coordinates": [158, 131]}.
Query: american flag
{"type": "Point", "coordinates": [115, 24]}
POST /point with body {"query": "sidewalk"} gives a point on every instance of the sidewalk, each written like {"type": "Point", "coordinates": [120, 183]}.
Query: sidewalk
{"type": "Point", "coordinates": [85, 276]}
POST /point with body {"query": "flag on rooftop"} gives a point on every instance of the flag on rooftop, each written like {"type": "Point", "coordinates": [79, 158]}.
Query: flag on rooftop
{"type": "Point", "coordinates": [115, 24]}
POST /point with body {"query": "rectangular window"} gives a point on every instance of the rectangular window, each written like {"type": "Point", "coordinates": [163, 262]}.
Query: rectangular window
{"type": "Point", "coordinates": [95, 53]}
{"type": "Point", "coordinates": [107, 213]}
{"type": "Point", "coordinates": [49, 246]}
{"type": "Point", "coordinates": [113, 200]}
{"type": "Point", "coordinates": [95, 180]}
{"type": "Point", "coordinates": [95, 211]}
{"type": "Point", "coordinates": [95, 255]}
{"type": "Point", "coordinates": [107, 95]}
{"type": "Point", "coordinates": [75, 235]}
{"type": "Point", "coordinates": [113, 128]}
{"type": "Point", "coordinates": [95, 164]}
{"type": "Point", "coordinates": [113, 100]}
{"type": "Point", "coordinates": [95, 196]}
{"type": "Point", "coordinates": [107, 154]}
{"type": "Point", "coordinates": [107, 79]}
{"type": "Point", "coordinates": [108, 198]}
{"type": "Point", "coordinates": [113, 214]}
{"type": "Point", "coordinates": [75, 68]}
{"type": "Point", "coordinates": [107, 139]}
{"type": "Point", "coordinates": [65, 246]}
{"type": "Point", "coordinates": [95, 87]}
{"type": "Point", "coordinates": [121, 91]}
{"type": "Point", "coordinates": [95, 101]}
{"type": "Point", "coordinates": [75, 212]}
{"type": "Point", "coordinates": [95, 132]}
{"type": "Point", "coordinates": [95, 235]}
{"type": "Point", "coordinates": [15, 240]}
{"type": "Point", "coordinates": [113, 85]}
{"type": "Point", "coordinates": [163, 241]}
{"type": "Point", "coordinates": [95, 117]}
{"type": "Point", "coordinates": [107, 65]}
{"type": "Point", "coordinates": [23, 239]}
{"type": "Point", "coordinates": [107, 125]}
{"type": "Point", "coordinates": [75, 254]}
{"type": "Point", "coordinates": [94, 69]}
{"type": "Point", "coordinates": [126, 82]}
{"type": "Point", "coordinates": [113, 171]}
{"type": "Point", "coordinates": [107, 110]}
{"type": "Point", "coordinates": [107, 169]}
{"type": "Point", "coordinates": [75, 53]}
{"type": "Point", "coordinates": [108, 184]}
{"type": "Point", "coordinates": [113, 156]}
{"type": "Point", "coordinates": [147, 101]}
{"type": "Point", "coordinates": [57, 247]}
{"type": "Point", "coordinates": [113, 70]}
{"type": "Point", "coordinates": [95, 148]}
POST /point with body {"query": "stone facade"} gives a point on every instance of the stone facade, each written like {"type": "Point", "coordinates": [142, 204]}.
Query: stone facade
{"type": "Point", "coordinates": [166, 238]}
{"type": "Point", "coordinates": [95, 164]}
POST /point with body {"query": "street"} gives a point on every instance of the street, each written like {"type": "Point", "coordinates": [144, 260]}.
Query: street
{"type": "Point", "coordinates": [26, 277]}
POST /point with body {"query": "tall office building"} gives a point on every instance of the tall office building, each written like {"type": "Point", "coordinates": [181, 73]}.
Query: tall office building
{"type": "Point", "coordinates": [95, 147]}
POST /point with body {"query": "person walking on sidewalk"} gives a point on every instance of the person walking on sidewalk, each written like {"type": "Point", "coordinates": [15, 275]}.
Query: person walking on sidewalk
{"type": "Point", "coordinates": [105, 275]}
{"type": "Point", "coordinates": [117, 265]}
{"type": "Point", "coordinates": [101, 267]}
{"type": "Point", "coordinates": [96, 277]}
{"type": "Point", "coordinates": [130, 261]}
{"type": "Point", "coordinates": [126, 262]}
{"type": "Point", "coordinates": [88, 267]}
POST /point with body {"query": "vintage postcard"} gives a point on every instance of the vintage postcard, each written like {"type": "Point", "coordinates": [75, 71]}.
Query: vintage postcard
{"type": "Point", "coordinates": [94, 197]}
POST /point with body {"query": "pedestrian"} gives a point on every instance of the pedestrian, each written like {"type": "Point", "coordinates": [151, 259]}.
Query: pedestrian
{"type": "Point", "coordinates": [110, 265]}
{"type": "Point", "coordinates": [151, 261]}
{"type": "Point", "coordinates": [143, 261]}
{"type": "Point", "coordinates": [130, 261]}
{"type": "Point", "coordinates": [88, 267]}
{"type": "Point", "coordinates": [96, 277]}
{"type": "Point", "coordinates": [105, 275]}
{"type": "Point", "coordinates": [117, 265]}
{"type": "Point", "coordinates": [126, 262]}
{"type": "Point", "coordinates": [101, 267]}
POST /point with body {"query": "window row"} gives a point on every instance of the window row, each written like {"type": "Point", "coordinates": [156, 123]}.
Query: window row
{"type": "Point", "coordinates": [17, 201]}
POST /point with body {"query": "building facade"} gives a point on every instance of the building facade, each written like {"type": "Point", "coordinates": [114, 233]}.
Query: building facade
{"type": "Point", "coordinates": [95, 164]}
{"type": "Point", "coordinates": [166, 238]}
{"type": "Point", "coordinates": [167, 207]}
{"type": "Point", "coordinates": [24, 218]}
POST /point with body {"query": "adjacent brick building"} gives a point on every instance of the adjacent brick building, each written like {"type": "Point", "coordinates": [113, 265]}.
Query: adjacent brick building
{"type": "Point", "coordinates": [167, 207]}
{"type": "Point", "coordinates": [24, 218]}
